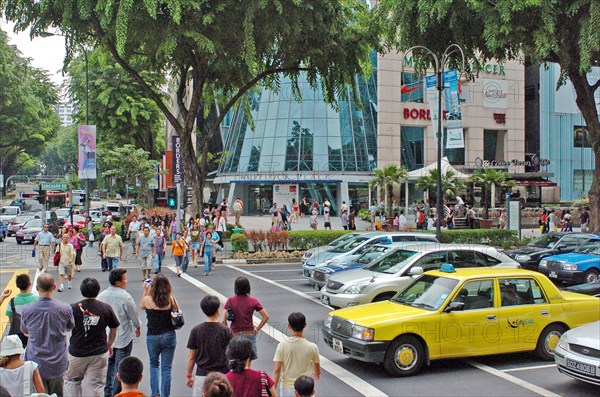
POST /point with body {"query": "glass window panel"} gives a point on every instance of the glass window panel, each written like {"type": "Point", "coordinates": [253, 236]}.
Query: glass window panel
{"type": "Point", "coordinates": [320, 109]}
{"type": "Point", "coordinates": [284, 109]}
{"type": "Point", "coordinates": [266, 155]}
{"type": "Point", "coordinates": [320, 153]}
{"type": "Point", "coordinates": [412, 141]}
{"type": "Point", "coordinates": [308, 109]}
{"type": "Point", "coordinates": [320, 127]}
{"type": "Point", "coordinates": [581, 137]}
{"type": "Point", "coordinates": [412, 87]}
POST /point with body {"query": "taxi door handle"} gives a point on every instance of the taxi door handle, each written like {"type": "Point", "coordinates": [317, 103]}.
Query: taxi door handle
{"type": "Point", "coordinates": [491, 317]}
{"type": "Point", "coordinates": [544, 313]}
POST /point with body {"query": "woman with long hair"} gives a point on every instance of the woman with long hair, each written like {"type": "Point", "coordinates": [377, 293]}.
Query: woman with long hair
{"type": "Point", "coordinates": [245, 381]}
{"type": "Point", "coordinates": [243, 307]}
{"type": "Point", "coordinates": [161, 341]}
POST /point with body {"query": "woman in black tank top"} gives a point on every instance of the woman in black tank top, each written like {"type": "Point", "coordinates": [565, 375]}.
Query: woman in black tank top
{"type": "Point", "coordinates": [160, 338]}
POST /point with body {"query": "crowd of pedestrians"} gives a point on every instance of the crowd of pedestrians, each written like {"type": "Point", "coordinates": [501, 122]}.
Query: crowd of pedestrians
{"type": "Point", "coordinates": [84, 349]}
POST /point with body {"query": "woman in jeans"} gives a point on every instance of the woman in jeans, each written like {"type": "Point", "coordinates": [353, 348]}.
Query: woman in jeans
{"type": "Point", "coordinates": [208, 251]}
{"type": "Point", "coordinates": [243, 306]}
{"type": "Point", "coordinates": [178, 248]}
{"type": "Point", "coordinates": [160, 338]}
{"type": "Point", "coordinates": [160, 242]}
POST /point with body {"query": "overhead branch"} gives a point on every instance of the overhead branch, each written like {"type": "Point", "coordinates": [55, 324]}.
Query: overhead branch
{"type": "Point", "coordinates": [137, 77]}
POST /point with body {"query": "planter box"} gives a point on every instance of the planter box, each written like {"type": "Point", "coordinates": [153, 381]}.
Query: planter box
{"type": "Point", "coordinates": [485, 223]}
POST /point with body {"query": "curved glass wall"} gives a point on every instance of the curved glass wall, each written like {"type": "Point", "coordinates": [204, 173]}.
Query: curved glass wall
{"type": "Point", "coordinates": [305, 135]}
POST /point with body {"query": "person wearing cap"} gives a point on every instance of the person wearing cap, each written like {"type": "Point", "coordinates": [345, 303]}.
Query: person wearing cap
{"type": "Point", "coordinates": [19, 377]}
{"type": "Point", "coordinates": [45, 241]}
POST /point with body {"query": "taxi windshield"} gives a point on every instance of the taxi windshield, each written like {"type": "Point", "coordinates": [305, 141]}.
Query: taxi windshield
{"type": "Point", "coordinates": [392, 262]}
{"type": "Point", "coordinates": [349, 246]}
{"type": "Point", "coordinates": [592, 247]}
{"type": "Point", "coordinates": [426, 292]}
{"type": "Point", "coordinates": [545, 241]}
{"type": "Point", "coordinates": [342, 239]}
{"type": "Point", "coordinates": [372, 253]}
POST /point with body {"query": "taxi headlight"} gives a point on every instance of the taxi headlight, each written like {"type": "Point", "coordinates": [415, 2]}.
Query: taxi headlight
{"type": "Point", "coordinates": [544, 263]}
{"type": "Point", "coordinates": [522, 258]}
{"type": "Point", "coordinates": [362, 333]}
{"type": "Point", "coordinates": [356, 289]}
{"type": "Point", "coordinates": [327, 323]}
{"type": "Point", "coordinates": [562, 342]}
{"type": "Point", "coordinates": [569, 266]}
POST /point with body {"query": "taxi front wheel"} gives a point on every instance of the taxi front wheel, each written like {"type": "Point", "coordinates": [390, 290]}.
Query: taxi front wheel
{"type": "Point", "coordinates": [405, 356]}
{"type": "Point", "coordinates": [548, 340]}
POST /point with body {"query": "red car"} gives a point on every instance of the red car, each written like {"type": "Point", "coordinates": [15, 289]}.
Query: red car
{"type": "Point", "coordinates": [78, 221]}
{"type": "Point", "coordinates": [16, 224]}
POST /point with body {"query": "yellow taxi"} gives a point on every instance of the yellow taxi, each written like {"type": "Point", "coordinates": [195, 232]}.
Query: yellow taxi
{"type": "Point", "coordinates": [452, 313]}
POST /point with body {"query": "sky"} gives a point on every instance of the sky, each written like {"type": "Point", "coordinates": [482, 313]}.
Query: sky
{"type": "Point", "coordinates": [45, 53]}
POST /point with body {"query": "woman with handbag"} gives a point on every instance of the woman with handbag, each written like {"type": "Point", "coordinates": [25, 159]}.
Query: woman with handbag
{"type": "Point", "coordinates": [245, 381]}
{"type": "Point", "coordinates": [239, 310]}
{"type": "Point", "coordinates": [161, 341]}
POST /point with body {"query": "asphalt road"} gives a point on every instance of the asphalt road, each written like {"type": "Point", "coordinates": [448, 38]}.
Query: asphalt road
{"type": "Point", "coordinates": [282, 289]}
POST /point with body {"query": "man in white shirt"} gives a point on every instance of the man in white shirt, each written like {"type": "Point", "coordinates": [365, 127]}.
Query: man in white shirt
{"type": "Point", "coordinates": [431, 222]}
{"type": "Point", "coordinates": [134, 228]}
{"type": "Point", "coordinates": [401, 221]}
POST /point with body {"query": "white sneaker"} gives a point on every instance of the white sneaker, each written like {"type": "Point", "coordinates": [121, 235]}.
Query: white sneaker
{"type": "Point", "coordinates": [69, 285]}
{"type": "Point", "coordinates": [61, 288]}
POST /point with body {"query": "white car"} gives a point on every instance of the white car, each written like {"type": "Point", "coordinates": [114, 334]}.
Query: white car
{"type": "Point", "coordinates": [578, 353]}
{"type": "Point", "coordinates": [386, 275]}
{"type": "Point", "coordinates": [340, 240]}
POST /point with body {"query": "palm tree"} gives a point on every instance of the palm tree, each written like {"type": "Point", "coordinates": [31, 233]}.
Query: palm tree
{"type": "Point", "coordinates": [488, 178]}
{"type": "Point", "coordinates": [386, 179]}
{"type": "Point", "coordinates": [451, 184]}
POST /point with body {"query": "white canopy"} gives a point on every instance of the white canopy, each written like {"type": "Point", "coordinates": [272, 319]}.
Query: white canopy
{"type": "Point", "coordinates": [446, 166]}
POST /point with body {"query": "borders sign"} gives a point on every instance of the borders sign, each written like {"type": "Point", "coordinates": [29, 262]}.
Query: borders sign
{"type": "Point", "coordinates": [177, 165]}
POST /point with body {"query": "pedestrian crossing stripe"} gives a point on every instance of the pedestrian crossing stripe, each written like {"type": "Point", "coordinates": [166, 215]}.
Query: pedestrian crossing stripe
{"type": "Point", "coordinates": [11, 285]}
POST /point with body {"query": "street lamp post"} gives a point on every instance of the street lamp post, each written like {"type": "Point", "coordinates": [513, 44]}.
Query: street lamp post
{"type": "Point", "coordinates": [87, 112]}
{"type": "Point", "coordinates": [439, 71]}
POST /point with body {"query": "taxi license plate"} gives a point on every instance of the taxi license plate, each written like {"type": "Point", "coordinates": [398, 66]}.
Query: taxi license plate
{"type": "Point", "coordinates": [553, 275]}
{"type": "Point", "coordinates": [574, 365]}
{"type": "Point", "coordinates": [325, 299]}
{"type": "Point", "coordinates": [338, 346]}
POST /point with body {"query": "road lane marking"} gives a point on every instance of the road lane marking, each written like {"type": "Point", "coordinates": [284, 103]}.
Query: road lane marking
{"type": "Point", "coordinates": [299, 271]}
{"type": "Point", "coordinates": [513, 379]}
{"type": "Point", "coordinates": [11, 285]}
{"type": "Point", "coordinates": [290, 279]}
{"type": "Point", "coordinates": [285, 287]}
{"type": "Point", "coordinates": [356, 383]}
{"type": "Point", "coordinates": [530, 367]}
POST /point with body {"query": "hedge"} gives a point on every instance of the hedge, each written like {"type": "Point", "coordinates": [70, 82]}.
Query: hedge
{"type": "Point", "coordinates": [306, 239]}
{"type": "Point", "coordinates": [239, 242]}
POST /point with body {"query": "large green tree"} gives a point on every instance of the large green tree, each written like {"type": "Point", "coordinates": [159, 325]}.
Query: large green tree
{"type": "Point", "coordinates": [215, 51]}
{"type": "Point", "coordinates": [27, 116]}
{"type": "Point", "coordinates": [561, 31]}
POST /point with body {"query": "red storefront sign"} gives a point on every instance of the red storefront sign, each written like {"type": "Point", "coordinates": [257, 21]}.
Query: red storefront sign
{"type": "Point", "coordinates": [419, 114]}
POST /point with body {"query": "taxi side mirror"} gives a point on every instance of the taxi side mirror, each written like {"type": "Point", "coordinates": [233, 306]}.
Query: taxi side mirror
{"type": "Point", "coordinates": [455, 307]}
{"type": "Point", "coordinates": [415, 271]}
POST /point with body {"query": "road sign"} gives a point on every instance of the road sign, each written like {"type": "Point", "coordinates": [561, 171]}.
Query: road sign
{"type": "Point", "coordinates": [55, 186]}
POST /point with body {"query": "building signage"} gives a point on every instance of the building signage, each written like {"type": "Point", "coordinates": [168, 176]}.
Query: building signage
{"type": "Point", "coordinates": [534, 162]}
{"type": "Point", "coordinates": [285, 194]}
{"type": "Point", "coordinates": [487, 68]}
{"type": "Point", "coordinates": [432, 98]}
{"type": "Point", "coordinates": [177, 164]}
{"type": "Point", "coordinates": [454, 131]}
{"type": "Point", "coordinates": [494, 94]}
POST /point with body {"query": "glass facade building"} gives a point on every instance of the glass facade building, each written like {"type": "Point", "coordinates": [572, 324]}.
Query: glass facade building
{"type": "Point", "coordinates": [326, 153]}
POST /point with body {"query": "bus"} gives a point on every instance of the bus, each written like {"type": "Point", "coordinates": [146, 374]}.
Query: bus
{"type": "Point", "coordinates": [54, 198]}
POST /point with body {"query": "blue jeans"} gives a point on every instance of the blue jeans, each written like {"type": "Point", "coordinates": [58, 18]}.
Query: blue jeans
{"type": "Point", "coordinates": [208, 255]}
{"type": "Point", "coordinates": [186, 261]}
{"type": "Point", "coordinates": [178, 260]}
{"type": "Point", "coordinates": [158, 262]}
{"type": "Point", "coordinates": [113, 386]}
{"type": "Point", "coordinates": [111, 263]}
{"type": "Point", "coordinates": [161, 349]}
{"type": "Point", "coordinates": [251, 338]}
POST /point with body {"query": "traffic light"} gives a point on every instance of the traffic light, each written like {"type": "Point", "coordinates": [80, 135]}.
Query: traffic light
{"type": "Point", "coordinates": [188, 196]}
{"type": "Point", "coordinates": [82, 198]}
{"type": "Point", "coordinates": [172, 198]}
{"type": "Point", "coordinates": [42, 196]}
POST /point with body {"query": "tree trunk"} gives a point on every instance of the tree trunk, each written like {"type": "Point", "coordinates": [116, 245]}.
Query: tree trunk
{"type": "Point", "coordinates": [587, 105]}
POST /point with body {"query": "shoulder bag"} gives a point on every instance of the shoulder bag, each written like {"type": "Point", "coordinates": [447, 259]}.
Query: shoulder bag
{"type": "Point", "coordinates": [176, 315]}
{"type": "Point", "coordinates": [230, 315]}
{"type": "Point", "coordinates": [57, 256]}
{"type": "Point", "coordinates": [265, 391]}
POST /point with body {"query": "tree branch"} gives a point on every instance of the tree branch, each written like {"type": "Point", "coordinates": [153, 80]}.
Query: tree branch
{"type": "Point", "coordinates": [139, 79]}
{"type": "Point", "coordinates": [246, 87]}
{"type": "Point", "coordinates": [181, 91]}
{"type": "Point", "coordinates": [595, 86]}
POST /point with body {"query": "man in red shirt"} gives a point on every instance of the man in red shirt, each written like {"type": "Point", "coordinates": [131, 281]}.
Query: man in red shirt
{"type": "Point", "coordinates": [130, 376]}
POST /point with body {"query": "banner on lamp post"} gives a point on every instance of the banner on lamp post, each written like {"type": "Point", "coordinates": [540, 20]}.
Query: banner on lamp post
{"type": "Point", "coordinates": [454, 130]}
{"type": "Point", "coordinates": [432, 98]}
{"type": "Point", "coordinates": [177, 164]}
{"type": "Point", "coordinates": [86, 165]}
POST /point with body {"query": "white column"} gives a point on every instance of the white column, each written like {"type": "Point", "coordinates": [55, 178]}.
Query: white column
{"type": "Point", "coordinates": [344, 195]}
{"type": "Point", "coordinates": [493, 196]}
{"type": "Point", "coordinates": [406, 198]}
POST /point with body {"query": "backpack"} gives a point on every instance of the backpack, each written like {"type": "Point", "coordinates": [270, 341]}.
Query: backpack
{"type": "Point", "coordinates": [15, 325]}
